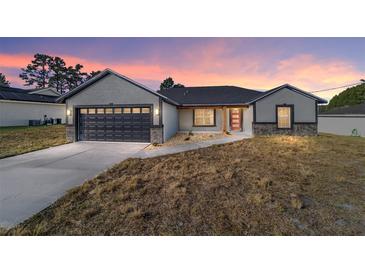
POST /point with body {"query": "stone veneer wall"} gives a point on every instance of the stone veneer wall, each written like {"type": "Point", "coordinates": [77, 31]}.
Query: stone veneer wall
{"type": "Point", "coordinates": [156, 135]}
{"type": "Point", "coordinates": [298, 129]}
{"type": "Point", "coordinates": [70, 133]}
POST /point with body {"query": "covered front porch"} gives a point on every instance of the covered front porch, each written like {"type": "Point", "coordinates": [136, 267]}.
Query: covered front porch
{"type": "Point", "coordinates": [234, 118]}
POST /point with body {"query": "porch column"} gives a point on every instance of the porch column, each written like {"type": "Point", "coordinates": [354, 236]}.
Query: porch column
{"type": "Point", "coordinates": [224, 119]}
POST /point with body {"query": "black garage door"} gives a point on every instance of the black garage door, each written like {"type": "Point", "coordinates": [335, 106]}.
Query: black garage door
{"type": "Point", "coordinates": [119, 124]}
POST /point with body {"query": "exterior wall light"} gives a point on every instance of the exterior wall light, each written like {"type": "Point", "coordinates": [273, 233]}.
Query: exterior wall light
{"type": "Point", "coordinates": [68, 112]}
{"type": "Point", "coordinates": [157, 111]}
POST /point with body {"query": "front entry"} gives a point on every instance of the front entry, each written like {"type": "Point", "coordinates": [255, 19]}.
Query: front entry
{"type": "Point", "coordinates": [235, 119]}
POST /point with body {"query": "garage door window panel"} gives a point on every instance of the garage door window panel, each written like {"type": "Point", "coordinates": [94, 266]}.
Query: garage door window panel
{"type": "Point", "coordinates": [136, 110]}
{"type": "Point", "coordinates": [108, 111]}
{"type": "Point", "coordinates": [127, 110]}
{"type": "Point", "coordinates": [145, 110]}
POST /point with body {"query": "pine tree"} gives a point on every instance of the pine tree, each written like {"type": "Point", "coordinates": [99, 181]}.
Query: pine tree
{"type": "Point", "coordinates": [3, 81]}
{"type": "Point", "coordinates": [92, 74]}
{"type": "Point", "coordinates": [169, 83]}
{"type": "Point", "coordinates": [58, 78]}
{"type": "Point", "coordinates": [75, 76]}
{"type": "Point", "coordinates": [37, 73]}
{"type": "Point", "coordinates": [47, 71]}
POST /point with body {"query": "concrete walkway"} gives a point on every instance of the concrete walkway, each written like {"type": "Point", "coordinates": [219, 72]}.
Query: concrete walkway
{"type": "Point", "coordinates": [32, 181]}
{"type": "Point", "coordinates": [186, 147]}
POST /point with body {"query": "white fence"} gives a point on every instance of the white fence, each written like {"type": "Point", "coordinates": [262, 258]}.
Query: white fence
{"type": "Point", "coordinates": [342, 124]}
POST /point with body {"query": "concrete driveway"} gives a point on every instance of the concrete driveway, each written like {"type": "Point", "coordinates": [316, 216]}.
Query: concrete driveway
{"type": "Point", "coordinates": [32, 181]}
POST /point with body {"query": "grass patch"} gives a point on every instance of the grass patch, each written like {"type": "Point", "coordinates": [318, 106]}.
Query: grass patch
{"type": "Point", "coordinates": [277, 185]}
{"type": "Point", "coordinates": [19, 140]}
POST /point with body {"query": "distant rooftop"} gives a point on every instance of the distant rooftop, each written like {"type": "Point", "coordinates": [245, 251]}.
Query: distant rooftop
{"type": "Point", "coordinates": [18, 94]}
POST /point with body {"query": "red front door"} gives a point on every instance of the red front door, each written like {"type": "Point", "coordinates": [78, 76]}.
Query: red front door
{"type": "Point", "coordinates": [235, 119]}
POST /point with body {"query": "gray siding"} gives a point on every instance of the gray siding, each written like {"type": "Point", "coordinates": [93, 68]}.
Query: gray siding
{"type": "Point", "coordinates": [17, 113]}
{"type": "Point", "coordinates": [115, 90]}
{"type": "Point", "coordinates": [170, 120]}
{"type": "Point", "coordinates": [304, 107]}
{"type": "Point", "coordinates": [186, 121]}
{"type": "Point", "coordinates": [342, 125]}
{"type": "Point", "coordinates": [247, 120]}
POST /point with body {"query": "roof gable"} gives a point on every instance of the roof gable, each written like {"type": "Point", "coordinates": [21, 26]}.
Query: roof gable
{"type": "Point", "coordinates": [46, 91]}
{"type": "Point", "coordinates": [105, 73]}
{"type": "Point", "coordinates": [292, 88]}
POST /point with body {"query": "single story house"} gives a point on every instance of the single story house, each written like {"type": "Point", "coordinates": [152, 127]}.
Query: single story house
{"type": "Point", "coordinates": [346, 120]}
{"type": "Point", "coordinates": [112, 107]}
{"type": "Point", "coordinates": [18, 106]}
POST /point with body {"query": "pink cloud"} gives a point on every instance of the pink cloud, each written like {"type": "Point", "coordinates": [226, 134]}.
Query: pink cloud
{"type": "Point", "coordinates": [14, 60]}
{"type": "Point", "coordinates": [214, 64]}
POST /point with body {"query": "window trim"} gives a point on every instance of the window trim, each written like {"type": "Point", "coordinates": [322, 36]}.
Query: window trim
{"type": "Point", "coordinates": [214, 118]}
{"type": "Point", "coordinates": [291, 106]}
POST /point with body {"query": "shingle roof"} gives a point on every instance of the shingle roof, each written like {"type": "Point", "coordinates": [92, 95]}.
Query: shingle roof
{"type": "Point", "coordinates": [17, 94]}
{"type": "Point", "coordinates": [4, 88]}
{"type": "Point", "coordinates": [211, 95]}
{"type": "Point", "coordinates": [354, 109]}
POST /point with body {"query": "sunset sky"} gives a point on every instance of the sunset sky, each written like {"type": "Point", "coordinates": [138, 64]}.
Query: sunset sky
{"type": "Point", "coordinates": [257, 63]}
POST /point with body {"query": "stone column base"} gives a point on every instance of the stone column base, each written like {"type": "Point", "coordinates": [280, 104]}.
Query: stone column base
{"type": "Point", "coordinates": [70, 133]}
{"type": "Point", "coordinates": [156, 135]}
{"type": "Point", "coordinates": [298, 129]}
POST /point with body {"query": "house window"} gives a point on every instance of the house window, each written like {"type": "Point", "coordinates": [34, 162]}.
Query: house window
{"type": "Point", "coordinates": [100, 111]}
{"type": "Point", "coordinates": [204, 117]}
{"type": "Point", "coordinates": [117, 110]}
{"type": "Point", "coordinates": [284, 116]}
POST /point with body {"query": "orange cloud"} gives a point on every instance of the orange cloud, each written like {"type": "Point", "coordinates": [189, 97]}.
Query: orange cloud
{"type": "Point", "coordinates": [14, 60]}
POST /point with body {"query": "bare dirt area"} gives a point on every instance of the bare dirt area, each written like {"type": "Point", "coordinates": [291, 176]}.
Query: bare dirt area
{"type": "Point", "coordinates": [188, 138]}
{"type": "Point", "coordinates": [278, 185]}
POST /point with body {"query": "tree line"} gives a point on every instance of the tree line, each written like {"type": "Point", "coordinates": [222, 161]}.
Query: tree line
{"type": "Point", "coordinates": [48, 71]}
{"type": "Point", "coordinates": [51, 71]}
{"type": "Point", "coordinates": [350, 96]}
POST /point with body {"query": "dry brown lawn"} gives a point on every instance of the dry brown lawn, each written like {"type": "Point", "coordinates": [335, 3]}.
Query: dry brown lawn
{"type": "Point", "coordinates": [261, 186]}
{"type": "Point", "coordinates": [19, 140]}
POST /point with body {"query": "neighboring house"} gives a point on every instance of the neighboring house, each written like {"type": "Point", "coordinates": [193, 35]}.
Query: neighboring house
{"type": "Point", "coordinates": [112, 107]}
{"type": "Point", "coordinates": [18, 106]}
{"type": "Point", "coordinates": [347, 120]}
